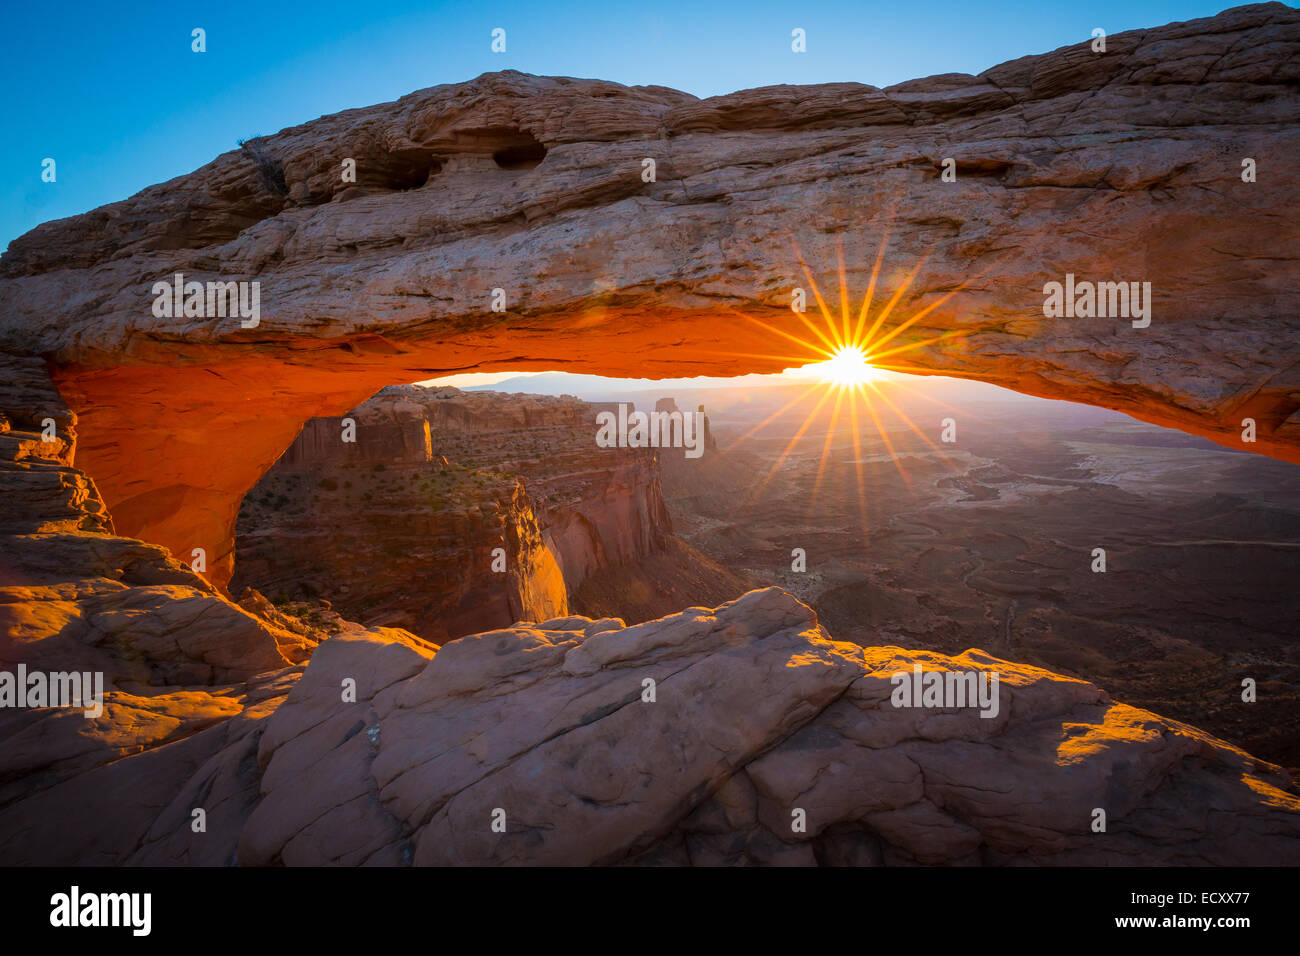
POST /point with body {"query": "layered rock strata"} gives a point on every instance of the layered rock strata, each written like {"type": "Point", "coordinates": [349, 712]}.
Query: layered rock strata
{"type": "Point", "coordinates": [1123, 166]}
{"type": "Point", "coordinates": [451, 512]}
{"type": "Point", "coordinates": [742, 734]}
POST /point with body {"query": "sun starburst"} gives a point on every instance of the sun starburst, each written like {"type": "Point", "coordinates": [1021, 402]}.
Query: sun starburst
{"type": "Point", "coordinates": [845, 359]}
{"type": "Point", "coordinates": [847, 367]}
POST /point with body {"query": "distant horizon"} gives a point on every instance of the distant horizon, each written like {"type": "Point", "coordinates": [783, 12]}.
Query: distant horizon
{"type": "Point", "coordinates": [569, 383]}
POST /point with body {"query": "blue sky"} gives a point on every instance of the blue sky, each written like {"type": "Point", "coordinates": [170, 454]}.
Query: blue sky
{"type": "Point", "coordinates": [113, 93]}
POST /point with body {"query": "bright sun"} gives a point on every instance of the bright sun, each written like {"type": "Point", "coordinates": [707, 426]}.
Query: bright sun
{"type": "Point", "coordinates": [856, 357]}
{"type": "Point", "coordinates": [846, 368]}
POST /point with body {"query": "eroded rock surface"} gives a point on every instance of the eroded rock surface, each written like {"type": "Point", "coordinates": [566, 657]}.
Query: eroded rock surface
{"type": "Point", "coordinates": [758, 719]}
{"type": "Point", "coordinates": [1121, 166]}
{"type": "Point", "coordinates": [698, 738]}
{"type": "Point", "coordinates": [757, 713]}
{"type": "Point", "coordinates": [185, 673]}
{"type": "Point", "coordinates": [401, 526]}
{"type": "Point", "coordinates": [385, 750]}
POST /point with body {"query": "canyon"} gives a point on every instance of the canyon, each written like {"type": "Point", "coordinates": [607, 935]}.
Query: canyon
{"type": "Point", "coordinates": [989, 541]}
{"type": "Point", "coordinates": [739, 734]}
{"type": "Point", "coordinates": [526, 722]}
{"type": "Point", "coordinates": [1068, 161]}
{"type": "Point", "coordinates": [401, 527]}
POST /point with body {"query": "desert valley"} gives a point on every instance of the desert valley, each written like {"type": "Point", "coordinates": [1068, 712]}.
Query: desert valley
{"type": "Point", "coordinates": [930, 574]}
{"type": "Point", "coordinates": [983, 542]}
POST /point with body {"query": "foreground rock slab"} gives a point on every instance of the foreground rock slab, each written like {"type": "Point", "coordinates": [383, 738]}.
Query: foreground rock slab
{"type": "Point", "coordinates": [540, 744]}
{"type": "Point", "coordinates": [740, 735]}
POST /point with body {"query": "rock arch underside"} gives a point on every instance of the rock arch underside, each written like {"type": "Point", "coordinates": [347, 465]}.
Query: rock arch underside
{"type": "Point", "coordinates": [1124, 166]}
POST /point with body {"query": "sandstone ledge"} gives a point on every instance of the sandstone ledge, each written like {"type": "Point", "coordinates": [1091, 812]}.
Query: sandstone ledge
{"type": "Point", "coordinates": [757, 714]}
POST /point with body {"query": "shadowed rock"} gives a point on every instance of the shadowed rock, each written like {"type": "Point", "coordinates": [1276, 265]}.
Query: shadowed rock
{"type": "Point", "coordinates": [758, 717]}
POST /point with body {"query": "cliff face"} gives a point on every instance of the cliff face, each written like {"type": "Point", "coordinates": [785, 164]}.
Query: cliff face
{"type": "Point", "coordinates": [75, 596]}
{"type": "Point", "coordinates": [400, 526]}
{"type": "Point", "coordinates": [1121, 166]}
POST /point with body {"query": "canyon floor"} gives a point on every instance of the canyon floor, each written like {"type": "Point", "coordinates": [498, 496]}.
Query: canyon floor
{"type": "Point", "coordinates": [748, 732]}
{"type": "Point", "coordinates": [987, 542]}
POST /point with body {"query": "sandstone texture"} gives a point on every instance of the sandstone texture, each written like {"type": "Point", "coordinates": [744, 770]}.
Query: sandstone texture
{"type": "Point", "coordinates": [741, 734]}
{"type": "Point", "coordinates": [698, 738]}
{"type": "Point", "coordinates": [1116, 166]}
{"type": "Point", "coordinates": [756, 713]}
{"type": "Point", "coordinates": [757, 718]}
{"type": "Point", "coordinates": [74, 595]}
{"type": "Point", "coordinates": [186, 674]}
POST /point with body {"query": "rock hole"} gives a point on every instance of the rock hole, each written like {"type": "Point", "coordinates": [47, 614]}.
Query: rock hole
{"type": "Point", "coordinates": [404, 172]}
{"type": "Point", "coordinates": [527, 154]}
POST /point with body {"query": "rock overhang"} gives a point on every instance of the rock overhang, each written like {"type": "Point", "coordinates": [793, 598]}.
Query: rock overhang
{"type": "Point", "coordinates": [1115, 166]}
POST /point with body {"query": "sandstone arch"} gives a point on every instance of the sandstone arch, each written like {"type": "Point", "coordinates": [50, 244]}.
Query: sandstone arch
{"type": "Point", "coordinates": [1121, 166]}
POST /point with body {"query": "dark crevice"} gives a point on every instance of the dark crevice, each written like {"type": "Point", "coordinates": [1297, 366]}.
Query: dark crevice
{"type": "Point", "coordinates": [408, 170]}
{"type": "Point", "coordinates": [270, 168]}
{"type": "Point", "coordinates": [526, 154]}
